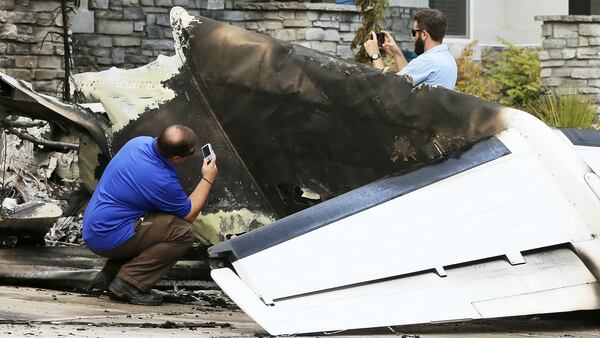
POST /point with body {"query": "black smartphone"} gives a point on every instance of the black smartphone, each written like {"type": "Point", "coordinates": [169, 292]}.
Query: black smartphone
{"type": "Point", "coordinates": [380, 38]}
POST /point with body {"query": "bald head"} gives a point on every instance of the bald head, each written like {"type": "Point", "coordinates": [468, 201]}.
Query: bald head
{"type": "Point", "coordinates": [176, 140]}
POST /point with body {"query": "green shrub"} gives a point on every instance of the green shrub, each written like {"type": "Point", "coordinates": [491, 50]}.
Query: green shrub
{"type": "Point", "coordinates": [472, 77]}
{"type": "Point", "coordinates": [570, 111]}
{"type": "Point", "coordinates": [517, 72]}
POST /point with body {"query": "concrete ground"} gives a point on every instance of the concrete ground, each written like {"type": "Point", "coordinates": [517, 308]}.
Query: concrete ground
{"type": "Point", "coordinates": [48, 313]}
{"type": "Point", "coordinates": [28, 312]}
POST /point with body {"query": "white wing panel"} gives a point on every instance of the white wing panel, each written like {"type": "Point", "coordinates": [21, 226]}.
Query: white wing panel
{"type": "Point", "coordinates": [512, 236]}
{"type": "Point", "coordinates": [550, 281]}
{"type": "Point", "coordinates": [508, 205]}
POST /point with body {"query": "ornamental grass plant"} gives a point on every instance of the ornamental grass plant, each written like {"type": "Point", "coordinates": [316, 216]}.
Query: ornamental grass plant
{"type": "Point", "coordinates": [568, 111]}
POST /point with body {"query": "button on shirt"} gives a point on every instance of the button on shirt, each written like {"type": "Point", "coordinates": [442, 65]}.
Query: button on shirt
{"type": "Point", "coordinates": [137, 180]}
{"type": "Point", "coordinates": [435, 66]}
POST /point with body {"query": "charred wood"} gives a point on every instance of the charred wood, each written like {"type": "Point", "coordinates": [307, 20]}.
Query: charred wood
{"type": "Point", "coordinates": [23, 124]}
{"type": "Point", "coordinates": [50, 145]}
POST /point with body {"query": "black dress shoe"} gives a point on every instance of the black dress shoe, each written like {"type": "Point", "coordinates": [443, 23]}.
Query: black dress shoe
{"type": "Point", "coordinates": [107, 274]}
{"type": "Point", "coordinates": [123, 291]}
{"type": "Point", "coordinates": [102, 281]}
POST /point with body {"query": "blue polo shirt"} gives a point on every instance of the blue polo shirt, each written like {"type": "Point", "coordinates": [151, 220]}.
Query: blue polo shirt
{"type": "Point", "coordinates": [137, 180]}
{"type": "Point", "coordinates": [435, 66]}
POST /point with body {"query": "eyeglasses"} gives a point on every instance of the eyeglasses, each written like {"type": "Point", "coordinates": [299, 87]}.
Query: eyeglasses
{"type": "Point", "coordinates": [414, 32]}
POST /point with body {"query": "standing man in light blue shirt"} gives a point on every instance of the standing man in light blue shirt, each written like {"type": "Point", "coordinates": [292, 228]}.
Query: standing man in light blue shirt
{"type": "Point", "coordinates": [434, 65]}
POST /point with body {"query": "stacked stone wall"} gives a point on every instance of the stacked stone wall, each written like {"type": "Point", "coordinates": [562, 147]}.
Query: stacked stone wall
{"type": "Point", "coordinates": [571, 55]}
{"type": "Point", "coordinates": [131, 33]}
{"type": "Point", "coordinates": [328, 28]}
{"type": "Point", "coordinates": [23, 26]}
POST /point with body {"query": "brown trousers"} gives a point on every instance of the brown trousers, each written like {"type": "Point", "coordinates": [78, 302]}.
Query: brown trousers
{"type": "Point", "coordinates": [159, 241]}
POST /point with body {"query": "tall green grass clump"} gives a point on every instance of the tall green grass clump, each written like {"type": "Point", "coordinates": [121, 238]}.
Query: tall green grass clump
{"type": "Point", "coordinates": [568, 111]}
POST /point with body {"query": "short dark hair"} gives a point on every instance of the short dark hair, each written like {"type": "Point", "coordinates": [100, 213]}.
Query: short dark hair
{"type": "Point", "coordinates": [433, 21]}
{"type": "Point", "coordinates": [176, 140]}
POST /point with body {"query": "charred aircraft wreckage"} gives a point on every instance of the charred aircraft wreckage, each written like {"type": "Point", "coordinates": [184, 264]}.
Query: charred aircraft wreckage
{"type": "Point", "coordinates": [347, 198]}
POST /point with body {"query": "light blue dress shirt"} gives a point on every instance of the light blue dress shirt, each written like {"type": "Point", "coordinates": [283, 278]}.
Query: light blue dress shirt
{"type": "Point", "coordinates": [435, 67]}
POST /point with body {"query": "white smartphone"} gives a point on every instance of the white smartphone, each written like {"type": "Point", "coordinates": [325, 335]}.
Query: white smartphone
{"type": "Point", "coordinates": [207, 151]}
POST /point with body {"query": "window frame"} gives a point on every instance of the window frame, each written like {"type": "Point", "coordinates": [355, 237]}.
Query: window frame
{"type": "Point", "coordinates": [468, 24]}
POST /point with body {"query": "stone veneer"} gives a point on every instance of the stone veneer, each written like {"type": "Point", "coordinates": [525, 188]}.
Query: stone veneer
{"type": "Point", "coordinates": [328, 28]}
{"type": "Point", "coordinates": [571, 55]}
{"type": "Point", "coordinates": [23, 26]}
{"type": "Point", "coordinates": [131, 33]}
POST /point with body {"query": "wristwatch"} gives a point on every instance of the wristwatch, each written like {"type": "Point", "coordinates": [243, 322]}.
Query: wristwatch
{"type": "Point", "coordinates": [375, 56]}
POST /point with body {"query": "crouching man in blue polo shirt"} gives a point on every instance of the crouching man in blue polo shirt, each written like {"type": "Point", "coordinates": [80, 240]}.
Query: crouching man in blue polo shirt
{"type": "Point", "coordinates": [139, 216]}
{"type": "Point", "coordinates": [433, 65]}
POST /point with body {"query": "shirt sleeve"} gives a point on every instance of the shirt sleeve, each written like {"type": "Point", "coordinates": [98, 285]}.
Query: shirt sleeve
{"type": "Point", "coordinates": [418, 69]}
{"type": "Point", "coordinates": [171, 199]}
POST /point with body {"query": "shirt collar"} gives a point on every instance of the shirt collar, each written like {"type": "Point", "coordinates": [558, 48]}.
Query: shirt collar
{"type": "Point", "coordinates": [438, 48]}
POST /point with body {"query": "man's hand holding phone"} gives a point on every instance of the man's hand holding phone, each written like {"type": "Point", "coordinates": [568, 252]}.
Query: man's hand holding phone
{"type": "Point", "coordinates": [209, 167]}
{"type": "Point", "coordinates": [371, 46]}
{"type": "Point", "coordinates": [389, 45]}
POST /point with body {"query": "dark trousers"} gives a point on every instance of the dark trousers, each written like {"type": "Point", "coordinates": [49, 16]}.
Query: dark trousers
{"type": "Point", "coordinates": [159, 241]}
